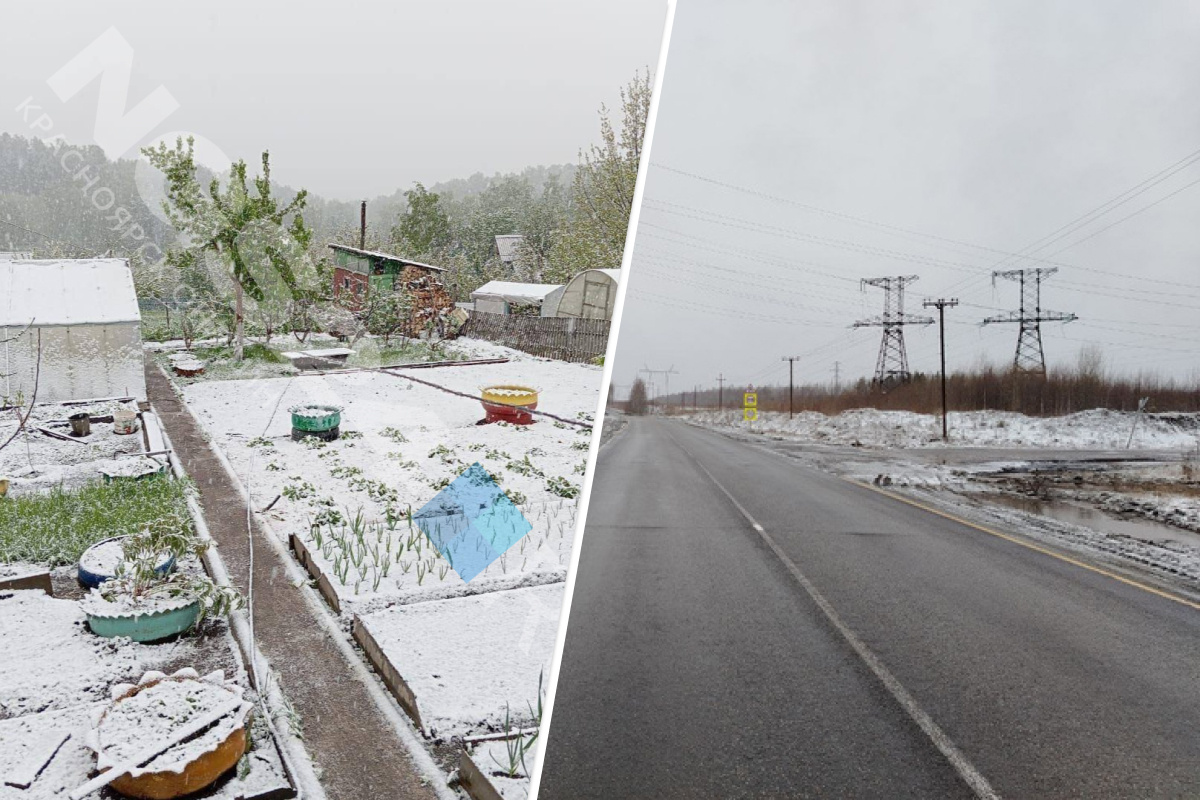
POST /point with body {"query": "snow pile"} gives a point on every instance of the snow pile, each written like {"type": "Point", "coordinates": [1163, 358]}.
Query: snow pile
{"type": "Point", "coordinates": [868, 427]}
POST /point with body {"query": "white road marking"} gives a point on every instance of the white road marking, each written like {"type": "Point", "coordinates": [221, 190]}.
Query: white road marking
{"type": "Point", "coordinates": [962, 765]}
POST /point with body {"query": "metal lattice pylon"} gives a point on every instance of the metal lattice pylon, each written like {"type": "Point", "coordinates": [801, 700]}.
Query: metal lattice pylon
{"type": "Point", "coordinates": [891, 369]}
{"type": "Point", "coordinates": [1030, 358]}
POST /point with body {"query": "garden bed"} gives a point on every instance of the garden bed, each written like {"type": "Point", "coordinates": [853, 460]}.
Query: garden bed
{"type": "Point", "coordinates": [467, 665]}
{"type": "Point", "coordinates": [459, 657]}
{"type": "Point", "coordinates": [496, 769]}
{"type": "Point", "coordinates": [402, 443]}
{"type": "Point", "coordinates": [30, 738]}
{"type": "Point", "coordinates": [36, 461]}
{"type": "Point", "coordinates": [57, 672]}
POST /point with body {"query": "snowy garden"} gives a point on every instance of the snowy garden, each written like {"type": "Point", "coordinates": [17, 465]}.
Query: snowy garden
{"type": "Point", "coordinates": [137, 664]}
{"type": "Point", "coordinates": [346, 507]}
{"type": "Point", "coordinates": [105, 605]}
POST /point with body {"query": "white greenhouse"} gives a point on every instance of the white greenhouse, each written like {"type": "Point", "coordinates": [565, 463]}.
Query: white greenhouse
{"type": "Point", "coordinates": [86, 312]}
{"type": "Point", "coordinates": [592, 294]}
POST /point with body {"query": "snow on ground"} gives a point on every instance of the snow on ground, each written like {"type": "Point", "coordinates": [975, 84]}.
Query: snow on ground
{"type": "Point", "coordinates": [1069, 500]}
{"type": "Point", "coordinates": [53, 661]}
{"type": "Point", "coordinates": [37, 462]}
{"type": "Point", "coordinates": [396, 566]}
{"type": "Point", "coordinates": [496, 760]}
{"type": "Point", "coordinates": [468, 650]}
{"type": "Point", "coordinates": [868, 427]}
{"type": "Point", "coordinates": [55, 674]}
{"type": "Point", "coordinates": [401, 443]}
{"type": "Point", "coordinates": [471, 660]}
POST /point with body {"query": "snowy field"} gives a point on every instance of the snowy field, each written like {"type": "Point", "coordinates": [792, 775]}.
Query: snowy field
{"type": "Point", "coordinates": [1098, 429]}
{"type": "Point", "coordinates": [1063, 480]}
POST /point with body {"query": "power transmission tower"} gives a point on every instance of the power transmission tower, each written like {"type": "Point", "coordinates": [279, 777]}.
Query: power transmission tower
{"type": "Point", "coordinates": [941, 304]}
{"type": "Point", "coordinates": [791, 370]}
{"type": "Point", "coordinates": [1030, 358]}
{"type": "Point", "coordinates": [837, 377]}
{"type": "Point", "coordinates": [721, 391]}
{"type": "Point", "coordinates": [891, 369]}
{"type": "Point", "coordinates": [666, 373]}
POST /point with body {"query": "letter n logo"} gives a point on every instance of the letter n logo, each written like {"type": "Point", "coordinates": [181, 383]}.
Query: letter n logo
{"type": "Point", "coordinates": [110, 58]}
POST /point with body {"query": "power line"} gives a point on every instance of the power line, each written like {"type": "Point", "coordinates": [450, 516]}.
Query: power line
{"type": "Point", "coordinates": [1066, 229]}
{"type": "Point", "coordinates": [1087, 288]}
{"type": "Point", "coordinates": [27, 230]}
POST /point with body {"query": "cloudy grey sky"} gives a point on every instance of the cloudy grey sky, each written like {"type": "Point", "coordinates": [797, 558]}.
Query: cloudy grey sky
{"type": "Point", "coordinates": [354, 99]}
{"type": "Point", "coordinates": [987, 124]}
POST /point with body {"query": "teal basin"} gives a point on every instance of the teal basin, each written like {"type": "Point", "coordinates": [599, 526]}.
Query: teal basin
{"type": "Point", "coordinates": [151, 627]}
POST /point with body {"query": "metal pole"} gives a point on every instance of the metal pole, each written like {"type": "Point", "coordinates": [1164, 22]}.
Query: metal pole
{"type": "Point", "coordinates": [941, 304]}
{"type": "Point", "coordinates": [942, 341]}
{"type": "Point", "coordinates": [791, 373]}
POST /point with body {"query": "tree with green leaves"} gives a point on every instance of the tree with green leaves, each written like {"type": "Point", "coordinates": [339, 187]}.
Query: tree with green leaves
{"type": "Point", "coordinates": [242, 235]}
{"type": "Point", "coordinates": [424, 226]}
{"type": "Point", "coordinates": [541, 226]}
{"type": "Point", "coordinates": [602, 200]}
{"type": "Point", "coordinates": [387, 312]}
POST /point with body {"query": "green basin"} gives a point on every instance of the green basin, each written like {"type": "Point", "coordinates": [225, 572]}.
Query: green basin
{"type": "Point", "coordinates": [316, 418]}
{"type": "Point", "coordinates": [150, 627]}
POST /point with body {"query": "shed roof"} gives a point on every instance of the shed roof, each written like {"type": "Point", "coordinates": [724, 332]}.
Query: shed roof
{"type": "Point", "coordinates": [507, 245]}
{"type": "Point", "coordinates": [385, 256]}
{"type": "Point", "coordinates": [83, 291]}
{"type": "Point", "coordinates": [516, 292]}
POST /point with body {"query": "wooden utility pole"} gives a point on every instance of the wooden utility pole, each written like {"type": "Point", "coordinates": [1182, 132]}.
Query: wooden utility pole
{"type": "Point", "coordinates": [941, 304]}
{"type": "Point", "coordinates": [721, 391]}
{"type": "Point", "coordinates": [791, 374]}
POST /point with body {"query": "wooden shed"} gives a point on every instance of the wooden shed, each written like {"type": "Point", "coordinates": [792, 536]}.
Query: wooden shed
{"type": "Point", "coordinates": [360, 272]}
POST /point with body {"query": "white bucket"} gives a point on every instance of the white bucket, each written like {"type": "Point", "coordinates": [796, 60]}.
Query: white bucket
{"type": "Point", "coordinates": [124, 420]}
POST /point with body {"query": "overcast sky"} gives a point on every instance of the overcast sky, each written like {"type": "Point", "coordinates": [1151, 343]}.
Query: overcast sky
{"type": "Point", "coordinates": [354, 99]}
{"type": "Point", "coordinates": [991, 124]}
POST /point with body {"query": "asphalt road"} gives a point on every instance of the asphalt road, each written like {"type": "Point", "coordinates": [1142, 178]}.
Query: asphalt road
{"type": "Point", "coordinates": [880, 651]}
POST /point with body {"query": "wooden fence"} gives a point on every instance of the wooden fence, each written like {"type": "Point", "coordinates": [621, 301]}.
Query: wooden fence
{"type": "Point", "coordinates": [564, 338]}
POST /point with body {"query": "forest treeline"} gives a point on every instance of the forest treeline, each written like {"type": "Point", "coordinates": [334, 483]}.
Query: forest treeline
{"type": "Point", "coordinates": [1063, 391]}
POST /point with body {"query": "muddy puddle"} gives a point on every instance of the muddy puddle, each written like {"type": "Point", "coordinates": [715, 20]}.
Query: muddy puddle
{"type": "Point", "coordinates": [1097, 520]}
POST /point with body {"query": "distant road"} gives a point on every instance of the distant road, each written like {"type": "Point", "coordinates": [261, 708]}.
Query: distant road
{"type": "Point", "coordinates": [868, 649]}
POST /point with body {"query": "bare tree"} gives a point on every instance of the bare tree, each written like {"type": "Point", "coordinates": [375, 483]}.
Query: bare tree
{"type": "Point", "coordinates": [23, 419]}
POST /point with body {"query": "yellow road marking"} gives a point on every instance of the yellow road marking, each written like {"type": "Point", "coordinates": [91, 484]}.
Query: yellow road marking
{"type": "Point", "coordinates": [1030, 545]}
